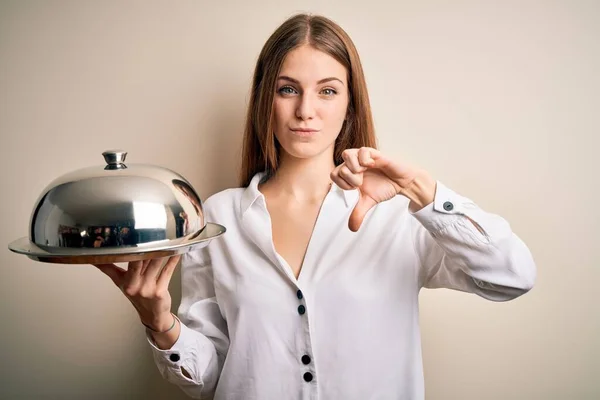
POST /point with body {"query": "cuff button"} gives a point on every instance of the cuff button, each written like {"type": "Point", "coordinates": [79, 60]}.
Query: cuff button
{"type": "Point", "coordinates": [448, 206]}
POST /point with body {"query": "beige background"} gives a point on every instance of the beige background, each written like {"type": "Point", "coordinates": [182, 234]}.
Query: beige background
{"type": "Point", "coordinates": [496, 99]}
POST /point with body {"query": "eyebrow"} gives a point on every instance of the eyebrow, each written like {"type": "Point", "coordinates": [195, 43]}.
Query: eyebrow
{"type": "Point", "coordinates": [332, 78]}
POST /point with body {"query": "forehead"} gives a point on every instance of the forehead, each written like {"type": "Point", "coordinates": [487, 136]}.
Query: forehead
{"type": "Point", "coordinates": [309, 65]}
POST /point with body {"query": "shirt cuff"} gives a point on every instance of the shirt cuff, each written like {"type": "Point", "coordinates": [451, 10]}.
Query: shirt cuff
{"type": "Point", "coordinates": [447, 207]}
{"type": "Point", "coordinates": [181, 354]}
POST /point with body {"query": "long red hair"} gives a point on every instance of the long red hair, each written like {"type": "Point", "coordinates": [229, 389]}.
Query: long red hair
{"type": "Point", "coordinates": [260, 150]}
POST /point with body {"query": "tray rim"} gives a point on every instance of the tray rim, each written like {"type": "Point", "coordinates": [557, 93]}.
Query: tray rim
{"type": "Point", "coordinates": [105, 255]}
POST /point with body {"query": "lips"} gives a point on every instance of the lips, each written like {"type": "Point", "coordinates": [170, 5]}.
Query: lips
{"type": "Point", "coordinates": [304, 132]}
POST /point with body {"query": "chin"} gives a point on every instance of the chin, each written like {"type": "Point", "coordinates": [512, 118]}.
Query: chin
{"type": "Point", "coordinates": [304, 150]}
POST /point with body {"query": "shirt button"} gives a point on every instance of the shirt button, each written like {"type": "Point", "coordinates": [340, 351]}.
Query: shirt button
{"type": "Point", "coordinates": [299, 294]}
{"type": "Point", "coordinates": [308, 377]}
{"type": "Point", "coordinates": [305, 359]}
{"type": "Point", "coordinates": [174, 357]}
{"type": "Point", "coordinates": [448, 206]}
{"type": "Point", "coordinates": [301, 309]}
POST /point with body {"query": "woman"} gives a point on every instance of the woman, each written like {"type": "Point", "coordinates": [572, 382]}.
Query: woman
{"type": "Point", "coordinates": [313, 291]}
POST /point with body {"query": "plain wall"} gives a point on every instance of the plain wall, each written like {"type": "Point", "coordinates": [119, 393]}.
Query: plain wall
{"type": "Point", "coordinates": [496, 99]}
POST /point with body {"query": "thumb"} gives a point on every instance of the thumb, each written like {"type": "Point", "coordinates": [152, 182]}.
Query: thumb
{"type": "Point", "coordinates": [364, 204]}
{"type": "Point", "coordinates": [115, 273]}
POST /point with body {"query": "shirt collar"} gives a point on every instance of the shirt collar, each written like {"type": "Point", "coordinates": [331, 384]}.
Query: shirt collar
{"type": "Point", "coordinates": [251, 192]}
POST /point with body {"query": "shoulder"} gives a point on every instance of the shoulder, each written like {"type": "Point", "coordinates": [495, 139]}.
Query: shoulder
{"type": "Point", "coordinates": [220, 208]}
{"type": "Point", "coordinates": [224, 196]}
{"type": "Point", "coordinates": [224, 202]}
{"type": "Point", "coordinates": [229, 202]}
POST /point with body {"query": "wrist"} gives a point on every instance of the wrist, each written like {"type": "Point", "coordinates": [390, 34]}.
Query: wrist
{"type": "Point", "coordinates": [162, 323]}
{"type": "Point", "coordinates": [421, 192]}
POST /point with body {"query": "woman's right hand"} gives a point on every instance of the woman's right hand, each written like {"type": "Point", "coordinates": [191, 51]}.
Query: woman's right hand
{"type": "Point", "coordinates": [146, 286]}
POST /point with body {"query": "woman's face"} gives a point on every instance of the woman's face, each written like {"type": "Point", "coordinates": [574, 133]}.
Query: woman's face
{"type": "Point", "coordinates": [311, 93]}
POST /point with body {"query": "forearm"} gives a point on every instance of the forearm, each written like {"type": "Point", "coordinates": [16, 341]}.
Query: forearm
{"type": "Point", "coordinates": [422, 193]}
{"type": "Point", "coordinates": [464, 247]}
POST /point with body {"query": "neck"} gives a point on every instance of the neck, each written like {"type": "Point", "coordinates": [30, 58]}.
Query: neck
{"type": "Point", "coordinates": [302, 179]}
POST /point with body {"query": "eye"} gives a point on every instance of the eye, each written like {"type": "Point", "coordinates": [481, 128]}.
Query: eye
{"type": "Point", "coordinates": [286, 90]}
{"type": "Point", "coordinates": [330, 92]}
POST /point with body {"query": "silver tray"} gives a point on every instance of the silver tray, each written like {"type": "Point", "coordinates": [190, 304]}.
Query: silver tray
{"type": "Point", "coordinates": [65, 255]}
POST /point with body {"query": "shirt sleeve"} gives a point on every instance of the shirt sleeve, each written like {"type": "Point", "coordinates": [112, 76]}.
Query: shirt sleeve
{"type": "Point", "coordinates": [203, 341]}
{"type": "Point", "coordinates": [462, 247]}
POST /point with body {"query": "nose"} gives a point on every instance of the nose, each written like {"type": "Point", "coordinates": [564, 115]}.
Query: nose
{"type": "Point", "coordinates": [306, 107]}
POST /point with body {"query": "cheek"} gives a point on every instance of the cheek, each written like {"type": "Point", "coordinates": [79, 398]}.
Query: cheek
{"type": "Point", "coordinates": [283, 111]}
{"type": "Point", "coordinates": [334, 114]}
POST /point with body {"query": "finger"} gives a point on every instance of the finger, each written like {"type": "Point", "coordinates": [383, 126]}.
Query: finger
{"type": "Point", "coordinates": [145, 266]}
{"type": "Point", "coordinates": [382, 162]}
{"type": "Point", "coordinates": [364, 204]}
{"type": "Point", "coordinates": [154, 268]}
{"type": "Point", "coordinates": [351, 160]}
{"type": "Point", "coordinates": [335, 176]}
{"type": "Point", "coordinates": [355, 180]}
{"type": "Point", "coordinates": [135, 267]}
{"type": "Point", "coordinates": [366, 156]}
{"type": "Point", "coordinates": [343, 184]}
{"type": "Point", "coordinates": [115, 273]}
{"type": "Point", "coordinates": [167, 272]}
{"type": "Point", "coordinates": [133, 277]}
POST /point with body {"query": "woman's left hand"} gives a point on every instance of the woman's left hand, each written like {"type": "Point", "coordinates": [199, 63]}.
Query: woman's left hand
{"type": "Point", "coordinates": [378, 179]}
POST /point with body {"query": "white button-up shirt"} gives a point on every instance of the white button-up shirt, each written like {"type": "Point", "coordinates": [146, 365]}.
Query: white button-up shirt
{"type": "Point", "coordinates": [348, 327]}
